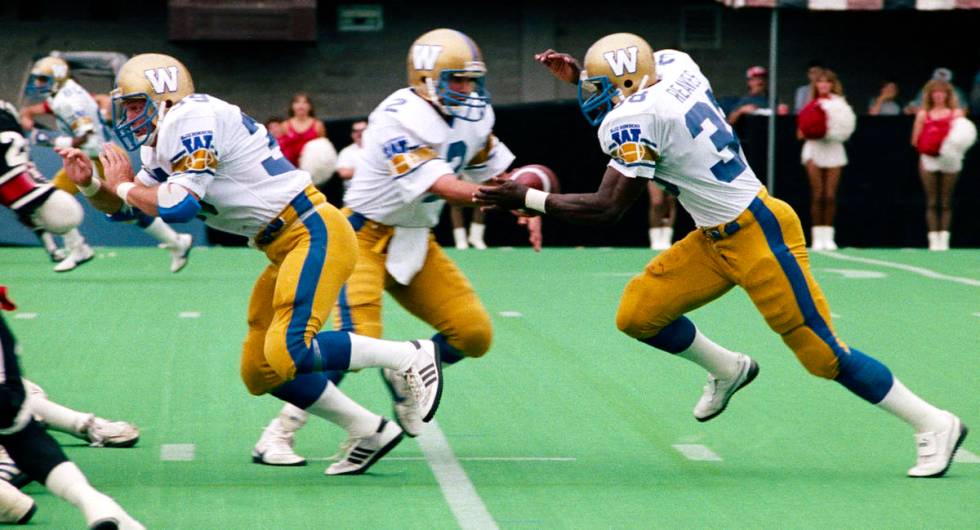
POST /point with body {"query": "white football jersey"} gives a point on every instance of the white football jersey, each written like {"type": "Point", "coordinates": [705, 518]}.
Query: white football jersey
{"type": "Point", "coordinates": [407, 146]}
{"type": "Point", "coordinates": [675, 133]}
{"type": "Point", "coordinates": [77, 114]}
{"type": "Point", "coordinates": [227, 159]}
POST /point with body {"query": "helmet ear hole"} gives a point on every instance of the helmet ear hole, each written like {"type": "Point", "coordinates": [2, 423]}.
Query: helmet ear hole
{"type": "Point", "coordinates": [628, 83]}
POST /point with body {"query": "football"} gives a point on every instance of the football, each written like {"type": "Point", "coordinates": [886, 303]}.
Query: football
{"type": "Point", "coordinates": [536, 176]}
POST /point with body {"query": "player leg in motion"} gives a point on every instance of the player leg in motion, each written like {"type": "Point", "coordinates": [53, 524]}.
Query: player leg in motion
{"type": "Point", "coordinates": [425, 145]}
{"type": "Point", "coordinates": [653, 112]}
{"type": "Point", "coordinates": [39, 455]}
{"type": "Point", "coordinates": [79, 116]}
{"type": "Point", "coordinates": [662, 213]}
{"type": "Point", "coordinates": [98, 432]}
{"type": "Point", "coordinates": [202, 155]}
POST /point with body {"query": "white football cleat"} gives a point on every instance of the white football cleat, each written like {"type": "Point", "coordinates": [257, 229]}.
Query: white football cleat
{"type": "Point", "coordinates": [106, 514]}
{"type": "Point", "coordinates": [181, 252]}
{"type": "Point", "coordinates": [936, 449]}
{"type": "Point", "coordinates": [16, 507]}
{"type": "Point", "coordinates": [275, 448]}
{"type": "Point", "coordinates": [104, 433]}
{"type": "Point", "coordinates": [359, 454]}
{"type": "Point", "coordinates": [406, 413]}
{"type": "Point", "coordinates": [718, 391]}
{"type": "Point", "coordinates": [477, 243]}
{"type": "Point", "coordinates": [424, 379]}
{"type": "Point", "coordinates": [76, 257]}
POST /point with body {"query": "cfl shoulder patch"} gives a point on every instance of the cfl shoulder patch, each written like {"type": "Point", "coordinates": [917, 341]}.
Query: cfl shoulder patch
{"type": "Point", "coordinates": [198, 154]}
{"type": "Point", "coordinates": [404, 158]}
{"type": "Point", "coordinates": [629, 148]}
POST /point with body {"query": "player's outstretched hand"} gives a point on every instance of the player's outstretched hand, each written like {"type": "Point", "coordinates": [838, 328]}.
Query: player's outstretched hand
{"type": "Point", "coordinates": [501, 193]}
{"type": "Point", "coordinates": [116, 164]}
{"type": "Point", "coordinates": [78, 167]}
{"type": "Point", "coordinates": [562, 65]}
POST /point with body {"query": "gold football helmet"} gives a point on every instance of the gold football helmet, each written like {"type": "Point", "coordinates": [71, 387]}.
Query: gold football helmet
{"type": "Point", "coordinates": [446, 68]}
{"type": "Point", "coordinates": [47, 77]}
{"type": "Point", "coordinates": [159, 80]}
{"type": "Point", "coordinates": [616, 67]}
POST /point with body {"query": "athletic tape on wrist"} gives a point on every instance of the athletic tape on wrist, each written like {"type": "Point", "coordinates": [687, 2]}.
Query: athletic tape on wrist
{"type": "Point", "coordinates": [535, 199]}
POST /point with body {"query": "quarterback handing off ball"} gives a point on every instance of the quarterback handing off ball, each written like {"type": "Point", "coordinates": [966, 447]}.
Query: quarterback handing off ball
{"type": "Point", "coordinates": [538, 177]}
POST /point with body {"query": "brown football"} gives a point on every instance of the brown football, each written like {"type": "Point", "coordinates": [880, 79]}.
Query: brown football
{"type": "Point", "coordinates": [537, 176]}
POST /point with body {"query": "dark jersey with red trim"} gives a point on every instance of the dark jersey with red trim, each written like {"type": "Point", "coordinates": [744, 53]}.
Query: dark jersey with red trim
{"type": "Point", "coordinates": [22, 188]}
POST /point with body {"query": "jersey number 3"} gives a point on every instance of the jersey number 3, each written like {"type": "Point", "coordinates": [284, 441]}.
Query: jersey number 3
{"type": "Point", "coordinates": [722, 138]}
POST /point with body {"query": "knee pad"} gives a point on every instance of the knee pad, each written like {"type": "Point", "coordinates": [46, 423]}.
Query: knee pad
{"type": "Point", "coordinates": [813, 353]}
{"type": "Point", "coordinates": [59, 214]}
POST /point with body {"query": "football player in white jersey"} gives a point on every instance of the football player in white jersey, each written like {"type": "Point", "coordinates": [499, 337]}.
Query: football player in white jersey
{"type": "Point", "coordinates": [658, 120]}
{"type": "Point", "coordinates": [418, 144]}
{"type": "Point", "coordinates": [79, 115]}
{"type": "Point", "coordinates": [203, 156]}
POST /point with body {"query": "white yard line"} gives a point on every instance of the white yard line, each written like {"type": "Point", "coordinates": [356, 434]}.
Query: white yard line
{"type": "Point", "coordinates": [697, 452]}
{"type": "Point", "coordinates": [966, 457]}
{"type": "Point", "coordinates": [460, 494]}
{"type": "Point", "coordinates": [177, 452]}
{"type": "Point", "coordinates": [472, 458]}
{"type": "Point", "coordinates": [902, 266]}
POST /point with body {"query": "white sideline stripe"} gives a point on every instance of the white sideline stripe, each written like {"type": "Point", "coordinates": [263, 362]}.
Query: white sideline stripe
{"type": "Point", "coordinates": [460, 494]}
{"type": "Point", "coordinates": [475, 458]}
{"type": "Point", "coordinates": [697, 452]}
{"type": "Point", "coordinates": [25, 316]}
{"type": "Point", "coordinates": [976, 314]}
{"type": "Point", "coordinates": [909, 268]}
{"type": "Point", "coordinates": [966, 457]}
{"type": "Point", "coordinates": [189, 314]}
{"type": "Point", "coordinates": [511, 314]}
{"type": "Point", "coordinates": [177, 452]}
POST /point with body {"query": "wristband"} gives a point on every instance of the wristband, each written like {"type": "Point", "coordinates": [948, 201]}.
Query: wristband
{"type": "Point", "coordinates": [92, 188]}
{"type": "Point", "coordinates": [535, 199]}
{"type": "Point", "coordinates": [123, 190]}
{"type": "Point", "coordinates": [64, 142]}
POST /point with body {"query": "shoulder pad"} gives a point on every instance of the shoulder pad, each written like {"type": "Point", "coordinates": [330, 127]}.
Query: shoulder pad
{"type": "Point", "coordinates": [408, 111]}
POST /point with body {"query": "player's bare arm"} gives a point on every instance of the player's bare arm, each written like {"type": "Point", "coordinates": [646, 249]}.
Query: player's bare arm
{"type": "Point", "coordinates": [454, 190]}
{"type": "Point", "coordinates": [562, 65]}
{"type": "Point", "coordinates": [605, 206]}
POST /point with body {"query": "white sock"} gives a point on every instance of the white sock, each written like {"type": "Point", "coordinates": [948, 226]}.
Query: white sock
{"type": "Point", "coordinates": [366, 352]}
{"type": "Point", "coordinates": [943, 239]}
{"type": "Point", "coordinates": [291, 418]}
{"type": "Point", "coordinates": [476, 231]}
{"type": "Point", "coordinates": [335, 407]}
{"type": "Point", "coordinates": [73, 239]}
{"type": "Point", "coordinates": [933, 240]}
{"type": "Point", "coordinates": [829, 234]}
{"type": "Point", "coordinates": [59, 417]}
{"type": "Point", "coordinates": [668, 235]}
{"type": "Point", "coordinates": [47, 238]}
{"type": "Point", "coordinates": [654, 237]}
{"type": "Point", "coordinates": [162, 232]}
{"type": "Point", "coordinates": [912, 409]}
{"type": "Point", "coordinates": [816, 240]}
{"type": "Point", "coordinates": [721, 362]}
{"type": "Point", "coordinates": [68, 482]}
{"type": "Point", "coordinates": [459, 236]}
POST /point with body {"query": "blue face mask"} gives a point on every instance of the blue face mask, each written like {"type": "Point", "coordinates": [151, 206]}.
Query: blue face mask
{"type": "Point", "coordinates": [465, 106]}
{"type": "Point", "coordinates": [125, 129]}
{"type": "Point", "coordinates": [595, 98]}
{"type": "Point", "coordinates": [38, 87]}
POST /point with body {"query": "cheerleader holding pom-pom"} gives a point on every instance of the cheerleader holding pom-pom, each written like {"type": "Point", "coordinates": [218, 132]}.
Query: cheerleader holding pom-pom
{"type": "Point", "coordinates": [825, 123]}
{"type": "Point", "coordinates": [942, 135]}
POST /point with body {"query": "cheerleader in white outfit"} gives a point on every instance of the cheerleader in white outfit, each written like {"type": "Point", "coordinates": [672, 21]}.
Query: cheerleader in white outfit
{"type": "Point", "coordinates": [825, 123]}
{"type": "Point", "coordinates": [941, 134]}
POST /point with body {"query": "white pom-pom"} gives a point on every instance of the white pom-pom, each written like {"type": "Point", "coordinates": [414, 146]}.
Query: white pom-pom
{"type": "Point", "coordinates": [841, 120]}
{"type": "Point", "coordinates": [319, 159]}
{"type": "Point", "coordinates": [962, 135]}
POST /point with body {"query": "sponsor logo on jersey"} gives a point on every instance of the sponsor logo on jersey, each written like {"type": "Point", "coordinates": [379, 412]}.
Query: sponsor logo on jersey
{"type": "Point", "coordinates": [622, 60]}
{"type": "Point", "coordinates": [162, 79]}
{"type": "Point", "coordinates": [424, 56]}
{"type": "Point", "coordinates": [402, 158]}
{"type": "Point", "coordinates": [198, 155]}
{"type": "Point", "coordinates": [630, 148]}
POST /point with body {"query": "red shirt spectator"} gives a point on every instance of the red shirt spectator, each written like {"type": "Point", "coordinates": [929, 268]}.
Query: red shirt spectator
{"type": "Point", "coordinates": [301, 127]}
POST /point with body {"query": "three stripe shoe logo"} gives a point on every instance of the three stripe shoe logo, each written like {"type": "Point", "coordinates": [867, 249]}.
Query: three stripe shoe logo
{"type": "Point", "coordinates": [428, 374]}
{"type": "Point", "coordinates": [360, 454]}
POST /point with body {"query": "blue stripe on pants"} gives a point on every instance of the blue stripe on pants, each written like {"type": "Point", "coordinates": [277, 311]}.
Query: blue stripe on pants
{"type": "Point", "coordinates": [859, 373]}
{"type": "Point", "coordinates": [346, 321]}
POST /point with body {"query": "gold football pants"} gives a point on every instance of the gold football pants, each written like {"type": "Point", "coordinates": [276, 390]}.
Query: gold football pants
{"type": "Point", "coordinates": [764, 252]}
{"type": "Point", "coordinates": [62, 182]}
{"type": "Point", "coordinates": [439, 294]}
{"type": "Point", "coordinates": [312, 250]}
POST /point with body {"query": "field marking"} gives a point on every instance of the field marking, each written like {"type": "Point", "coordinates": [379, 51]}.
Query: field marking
{"type": "Point", "coordinates": [25, 316]}
{"type": "Point", "coordinates": [177, 452]}
{"type": "Point", "coordinates": [966, 457]}
{"type": "Point", "coordinates": [460, 494]}
{"type": "Point", "coordinates": [902, 266]}
{"type": "Point", "coordinates": [976, 314]}
{"type": "Point", "coordinates": [189, 314]}
{"type": "Point", "coordinates": [697, 452]}
{"type": "Point", "coordinates": [511, 314]}
{"type": "Point", "coordinates": [856, 274]}
{"type": "Point", "coordinates": [472, 459]}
